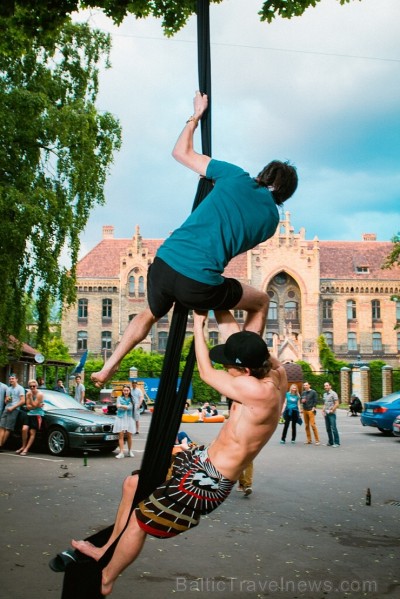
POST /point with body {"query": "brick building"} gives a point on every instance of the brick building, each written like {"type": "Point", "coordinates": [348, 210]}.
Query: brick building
{"type": "Point", "coordinates": [337, 288]}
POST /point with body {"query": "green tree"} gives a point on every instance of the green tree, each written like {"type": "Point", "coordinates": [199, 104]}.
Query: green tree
{"type": "Point", "coordinates": [375, 369]}
{"type": "Point", "coordinates": [55, 153]}
{"type": "Point", "coordinates": [329, 363]}
{"type": "Point", "coordinates": [392, 260]}
{"type": "Point", "coordinates": [35, 18]}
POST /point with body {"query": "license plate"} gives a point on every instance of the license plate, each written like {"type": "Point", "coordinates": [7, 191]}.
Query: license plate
{"type": "Point", "coordinates": [369, 410]}
{"type": "Point", "coordinates": [111, 437]}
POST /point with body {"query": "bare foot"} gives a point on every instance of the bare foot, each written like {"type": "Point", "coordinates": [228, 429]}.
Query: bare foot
{"type": "Point", "coordinates": [101, 377]}
{"type": "Point", "coordinates": [88, 549]}
{"type": "Point", "coordinates": [106, 587]}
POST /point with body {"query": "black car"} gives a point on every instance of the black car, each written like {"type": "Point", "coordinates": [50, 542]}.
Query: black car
{"type": "Point", "coordinates": [67, 425]}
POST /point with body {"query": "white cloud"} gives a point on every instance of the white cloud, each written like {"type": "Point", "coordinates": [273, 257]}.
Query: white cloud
{"type": "Point", "coordinates": [322, 90]}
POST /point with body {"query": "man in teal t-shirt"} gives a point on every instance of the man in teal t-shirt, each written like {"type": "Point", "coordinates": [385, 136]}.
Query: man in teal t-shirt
{"type": "Point", "coordinates": [238, 214]}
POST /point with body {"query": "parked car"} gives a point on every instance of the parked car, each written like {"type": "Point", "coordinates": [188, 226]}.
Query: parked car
{"type": "Point", "coordinates": [396, 426]}
{"type": "Point", "coordinates": [382, 412]}
{"type": "Point", "coordinates": [67, 425]}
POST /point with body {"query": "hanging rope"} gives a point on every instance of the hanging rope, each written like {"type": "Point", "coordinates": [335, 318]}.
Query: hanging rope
{"type": "Point", "coordinates": [82, 579]}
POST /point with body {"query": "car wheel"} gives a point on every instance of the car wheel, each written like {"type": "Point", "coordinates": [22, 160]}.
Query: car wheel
{"type": "Point", "coordinates": [384, 431]}
{"type": "Point", "coordinates": [57, 441]}
{"type": "Point", "coordinates": [143, 407]}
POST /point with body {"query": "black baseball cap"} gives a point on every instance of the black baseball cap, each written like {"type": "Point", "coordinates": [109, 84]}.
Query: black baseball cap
{"type": "Point", "coordinates": [241, 349]}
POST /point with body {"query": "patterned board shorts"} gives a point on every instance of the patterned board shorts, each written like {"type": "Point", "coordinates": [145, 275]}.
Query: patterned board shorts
{"type": "Point", "coordinates": [194, 489]}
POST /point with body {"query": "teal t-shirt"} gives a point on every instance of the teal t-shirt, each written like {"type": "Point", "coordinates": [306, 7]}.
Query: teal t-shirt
{"type": "Point", "coordinates": [236, 216]}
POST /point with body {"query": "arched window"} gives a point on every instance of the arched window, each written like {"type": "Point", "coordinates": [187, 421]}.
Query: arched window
{"type": "Point", "coordinates": [83, 308]}
{"type": "Point", "coordinates": [82, 339]}
{"type": "Point", "coordinates": [329, 338]}
{"type": "Point", "coordinates": [398, 310]}
{"type": "Point", "coordinates": [327, 309]}
{"type": "Point", "coordinates": [352, 341]}
{"type": "Point", "coordinates": [106, 309]}
{"type": "Point", "coordinates": [106, 340]}
{"type": "Point", "coordinates": [291, 311]}
{"type": "Point", "coordinates": [376, 309]}
{"type": "Point", "coordinates": [376, 342]}
{"type": "Point", "coordinates": [351, 310]}
{"type": "Point", "coordinates": [162, 341]}
{"type": "Point", "coordinates": [131, 286]}
{"type": "Point", "coordinates": [141, 286]}
{"type": "Point", "coordinates": [272, 311]}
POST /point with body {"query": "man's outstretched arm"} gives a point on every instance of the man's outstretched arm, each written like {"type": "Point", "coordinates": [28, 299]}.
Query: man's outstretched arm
{"type": "Point", "coordinates": [183, 151]}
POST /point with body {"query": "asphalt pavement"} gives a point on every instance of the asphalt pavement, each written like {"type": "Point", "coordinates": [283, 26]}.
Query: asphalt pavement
{"type": "Point", "coordinates": [306, 530]}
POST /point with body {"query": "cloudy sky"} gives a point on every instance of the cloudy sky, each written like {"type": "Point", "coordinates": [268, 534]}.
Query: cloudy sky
{"type": "Point", "coordinates": [322, 90]}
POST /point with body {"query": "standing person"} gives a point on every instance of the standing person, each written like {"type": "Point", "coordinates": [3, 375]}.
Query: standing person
{"type": "Point", "coordinates": [124, 423]}
{"type": "Point", "coordinates": [60, 386]}
{"type": "Point", "coordinates": [239, 213]}
{"type": "Point", "coordinates": [41, 383]}
{"type": "Point", "coordinates": [246, 480]}
{"type": "Point", "coordinates": [138, 398]}
{"type": "Point", "coordinates": [15, 398]}
{"type": "Point", "coordinates": [291, 412]}
{"type": "Point", "coordinates": [32, 420]}
{"type": "Point", "coordinates": [202, 478]}
{"type": "Point", "coordinates": [331, 404]}
{"type": "Point", "coordinates": [3, 391]}
{"type": "Point", "coordinates": [309, 399]}
{"type": "Point", "coordinates": [79, 390]}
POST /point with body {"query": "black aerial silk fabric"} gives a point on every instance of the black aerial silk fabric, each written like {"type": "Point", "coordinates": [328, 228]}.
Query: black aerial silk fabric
{"type": "Point", "coordinates": [82, 579]}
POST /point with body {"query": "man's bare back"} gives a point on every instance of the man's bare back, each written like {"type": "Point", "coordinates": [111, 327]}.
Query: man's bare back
{"type": "Point", "coordinates": [251, 422]}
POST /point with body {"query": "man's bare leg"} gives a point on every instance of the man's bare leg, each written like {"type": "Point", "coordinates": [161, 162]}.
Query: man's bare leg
{"type": "Point", "coordinates": [227, 324]}
{"type": "Point", "coordinates": [255, 303]}
{"type": "Point", "coordinates": [128, 492]}
{"type": "Point", "coordinates": [138, 328]}
{"type": "Point", "coordinates": [128, 548]}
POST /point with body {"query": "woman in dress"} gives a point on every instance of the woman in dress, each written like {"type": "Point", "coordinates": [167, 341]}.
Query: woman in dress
{"type": "Point", "coordinates": [124, 422]}
{"type": "Point", "coordinates": [291, 412]}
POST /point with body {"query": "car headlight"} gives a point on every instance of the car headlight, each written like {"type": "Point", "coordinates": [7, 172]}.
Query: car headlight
{"type": "Point", "coordinates": [86, 429]}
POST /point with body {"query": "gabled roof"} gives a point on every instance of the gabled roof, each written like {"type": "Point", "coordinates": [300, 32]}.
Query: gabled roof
{"type": "Point", "coordinates": [338, 260]}
{"type": "Point", "coordinates": [103, 261]}
{"type": "Point", "coordinates": [341, 259]}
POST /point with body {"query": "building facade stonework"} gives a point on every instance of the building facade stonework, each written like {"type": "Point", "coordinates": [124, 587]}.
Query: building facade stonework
{"type": "Point", "coordinates": [335, 288]}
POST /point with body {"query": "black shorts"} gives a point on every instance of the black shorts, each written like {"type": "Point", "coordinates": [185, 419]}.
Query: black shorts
{"type": "Point", "coordinates": [166, 286]}
{"type": "Point", "coordinates": [33, 421]}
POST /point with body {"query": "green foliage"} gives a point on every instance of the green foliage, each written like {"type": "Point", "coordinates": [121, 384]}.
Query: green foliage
{"type": "Point", "coordinates": [393, 259]}
{"type": "Point", "coordinates": [55, 350]}
{"type": "Point", "coordinates": [91, 365]}
{"type": "Point", "coordinates": [55, 153]}
{"type": "Point", "coordinates": [288, 8]}
{"type": "Point", "coordinates": [375, 368]}
{"type": "Point", "coordinates": [316, 380]}
{"type": "Point", "coordinates": [396, 380]}
{"type": "Point", "coordinates": [330, 364]}
{"type": "Point", "coordinates": [35, 18]}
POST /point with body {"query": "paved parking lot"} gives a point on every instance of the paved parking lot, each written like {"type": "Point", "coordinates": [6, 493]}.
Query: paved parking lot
{"type": "Point", "coordinates": [305, 531]}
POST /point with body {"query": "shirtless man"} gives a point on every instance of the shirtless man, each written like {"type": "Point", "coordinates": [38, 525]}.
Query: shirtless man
{"type": "Point", "coordinates": [257, 383]}
{"type": "Point", "coordinates": [239, 213]}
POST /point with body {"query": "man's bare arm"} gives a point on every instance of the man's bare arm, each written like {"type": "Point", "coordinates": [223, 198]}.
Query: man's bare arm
{"type": "Point", "coordinates": [183, 151]}
{"type": "Point", "coordinates": [237, 388]}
